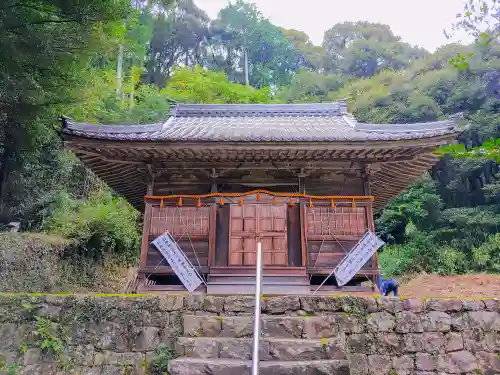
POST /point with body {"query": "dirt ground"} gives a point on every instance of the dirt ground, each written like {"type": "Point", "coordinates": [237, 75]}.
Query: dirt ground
{"type": "Point", "coordinates": [452, 286]}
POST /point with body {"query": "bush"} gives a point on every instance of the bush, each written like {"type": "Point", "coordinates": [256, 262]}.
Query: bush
{"type": "Point", "coordinates": [486, 258]}
{"type": "Point", "coordinates": [102, 225]}
{"type": "Point", "coordinates": [34, 262]}
{"type": "Point", "coordinates": [420, 253]}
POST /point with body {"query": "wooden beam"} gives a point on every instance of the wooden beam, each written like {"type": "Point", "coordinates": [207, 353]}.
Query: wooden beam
{"type": "Point", "coordinates": [76, 141]}
{"type": "Point", "coordinates": [252, 166]}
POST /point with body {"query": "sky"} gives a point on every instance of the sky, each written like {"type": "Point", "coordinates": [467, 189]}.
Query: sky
{"type": "Point", "coordinates": [417, 22]}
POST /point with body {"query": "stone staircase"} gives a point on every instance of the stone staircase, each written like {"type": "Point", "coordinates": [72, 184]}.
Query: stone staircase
{"type": "Point", "coordinates": [221, 344]}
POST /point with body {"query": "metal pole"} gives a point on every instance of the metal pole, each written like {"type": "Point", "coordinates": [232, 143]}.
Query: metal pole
{"type": "Point", "coordinates": [256, 322]}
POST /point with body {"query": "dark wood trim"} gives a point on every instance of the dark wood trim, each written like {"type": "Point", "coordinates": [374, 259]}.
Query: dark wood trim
{"type": "Point", "coordinates": [250, 270]}
{"type": "Point", "coordinates": [333, 237]}
{"type": "Point", "coordinates": [166, 270]}
{"type": "Point", "coordinates": [145, 235]}
{"type": "Point", "coordinates": [327, 271]}
{"type": "Point", "coordinates": [303, 231]}
{"type": "Point", "coordinates": [212, 230]}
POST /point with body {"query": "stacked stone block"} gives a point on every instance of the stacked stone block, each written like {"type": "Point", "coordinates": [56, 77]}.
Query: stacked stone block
{"type": "Point", "coordinates": [118, 335]}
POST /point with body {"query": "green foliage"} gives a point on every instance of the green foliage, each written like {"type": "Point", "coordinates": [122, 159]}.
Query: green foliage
{"type": "Point", "coordinates": [179, 36]}
{"type": "Point", "coordinates": [101, 225]}
{"type": "Point", "coordinates": [363, 49]}
{"type": "Point", "coordinates": [310, 87]}
{"type": "Point", "coordinates": [201, 86]}
{"type": "Point", "coordinates": [99, 103]}
{"type": "Point", "coordinates": [163, 355]}
{"type": "Point", "coordinates": [240, 27]}
{"type": "Point", "coordinates": [421, 253]}
{"type": "Point", "coordinates": [46, 336]}
{"type": "Point", "coordinates": [13, 369]}
{"type": "Point", "coordinates": [312, 57]}
{"type": "Point", "coordinates": [486, 257]}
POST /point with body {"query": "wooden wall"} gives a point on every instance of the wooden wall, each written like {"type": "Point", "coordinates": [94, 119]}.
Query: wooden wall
{"type": "Point", "coordinates": [333, 232]}
{"type": "Point", "coordinates": [317, 237]}
{"type": "Point", "coordinates": [189, 225]}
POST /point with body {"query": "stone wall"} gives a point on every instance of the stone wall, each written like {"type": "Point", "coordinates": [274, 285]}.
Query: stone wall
{"type": "Point", "coordinates": [120, 335]}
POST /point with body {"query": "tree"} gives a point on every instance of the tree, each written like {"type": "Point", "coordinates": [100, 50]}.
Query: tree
{"type": "Point", "coordinates": [481, 19]}
{"type": "Point", "coordinates": [197, 85]}
{"type": "Point", "coordinates": [180, 37]}
{"type": "Point", "coordinates": [310, 87]}
{"type": "Point", "coordinates": [311, 56]}
{"type": "Point", "coordinates": [364, 48]}
{"type": "Point", "coordinates": [365, 58]}
{"type": "Point", "coordinates": [245, 44]}
{"type": "Point", "coordinates": [39, 72]}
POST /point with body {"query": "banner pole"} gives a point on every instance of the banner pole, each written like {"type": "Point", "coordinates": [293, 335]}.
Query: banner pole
{"type": "Point", "coordinates": [256, 323]}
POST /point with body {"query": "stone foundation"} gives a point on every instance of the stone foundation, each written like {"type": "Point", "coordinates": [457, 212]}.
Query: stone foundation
{"type": "Point", "coordinates": [212, 335]}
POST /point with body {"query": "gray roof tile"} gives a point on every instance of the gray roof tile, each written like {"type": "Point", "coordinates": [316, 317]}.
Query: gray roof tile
{"type": "Point", "coordinates": [262, 122]}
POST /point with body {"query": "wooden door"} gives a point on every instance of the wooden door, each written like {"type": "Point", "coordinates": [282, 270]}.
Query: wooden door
{"type": "Point", "coordinates": [250, 222]}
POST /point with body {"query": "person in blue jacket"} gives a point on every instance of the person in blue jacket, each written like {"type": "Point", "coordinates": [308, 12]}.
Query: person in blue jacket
{"type": "Point", "coordinates": [388, 286]}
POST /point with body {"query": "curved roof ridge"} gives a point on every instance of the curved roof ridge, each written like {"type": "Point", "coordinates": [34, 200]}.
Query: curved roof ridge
{"type": "Point", "coordinates": [450, 124]}
{"type": "Point", "coordinates": [258, 110]}
{"type": "Point", "coordinates": [69, 125]}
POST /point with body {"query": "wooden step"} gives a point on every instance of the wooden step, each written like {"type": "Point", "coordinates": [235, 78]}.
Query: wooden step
{"type": "Point", "coordinates": [271, 285]}
{"type": "Point", "coordinates": [250, 270]}
{"type": "Point", "coordinates": [198, 366]}
{"type": "Point", "coordinates": [266, 279]}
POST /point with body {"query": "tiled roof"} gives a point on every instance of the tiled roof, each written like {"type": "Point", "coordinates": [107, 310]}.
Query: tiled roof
{"type": "Point", "coordinates": [261, 122]}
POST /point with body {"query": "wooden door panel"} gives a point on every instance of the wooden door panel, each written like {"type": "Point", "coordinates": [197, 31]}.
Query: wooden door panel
{"type": "Point", "coordinates": [249, 211]}
{"type": "Point", "coordinates": [279, 225]}
{"type": "Point", "coordinates": [250, 225]}
{"type": "Point", "coordinates": [280, 259]}
{"type": "Point", "coordinates": [279, 244]}
{"type": "Point", "coordinates": [237, 243]}
{"type": "Point", "coordinates": [265, 225]}
{"type": "Point", "coordinates": [235, 258]}
{"type": "Point", "coordinates": [249, 244]}
{"type": "Point", "coordinates": [236, 224]}
{"type": "Point", "coordinates": [264, 221]}
{"type": "Point", "coordinates": [250, 259]}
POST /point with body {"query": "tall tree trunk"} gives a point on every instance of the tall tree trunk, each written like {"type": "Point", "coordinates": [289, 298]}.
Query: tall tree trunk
{"type": "Point", "coordinates": [247, 82]}
{"type": "Point", "coordinates": [245, 52]}
{"type": "Point", "coordinates": [119, 71]}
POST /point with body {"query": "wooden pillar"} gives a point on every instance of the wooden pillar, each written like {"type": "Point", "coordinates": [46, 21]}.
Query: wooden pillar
{"type": "Point", "coordinates": [370, 221]}
{"type": "Point", "coordinates": [146, 226]}
{"type": "Point", "coordinates": [212, 225]}
{"type": "Point", "coordinates": [303, 219]}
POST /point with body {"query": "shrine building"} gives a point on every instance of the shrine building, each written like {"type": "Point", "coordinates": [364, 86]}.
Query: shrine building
{"type": "Point", "coordinates": [303, 179]}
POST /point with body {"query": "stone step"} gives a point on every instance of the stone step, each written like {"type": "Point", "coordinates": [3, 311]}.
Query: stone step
{"type": "Point", "coordinates": [271, 284]}
{"type": "Point", "coordinates": [271, 349]}
{"type": "Point", "coordinates": [298, 327]}
{"type": "Point", "coordinates": [228, 288]}
{"type": "Point", "coordinates": [197, 366]}
{"type": "Point", "coordinates": [271, 279]}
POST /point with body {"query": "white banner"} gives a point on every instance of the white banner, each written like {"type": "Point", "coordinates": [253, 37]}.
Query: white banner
{"type": "Point", "coordinates": [357, 257]}
{"type": "Point", "coordinates": [178, 261]}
